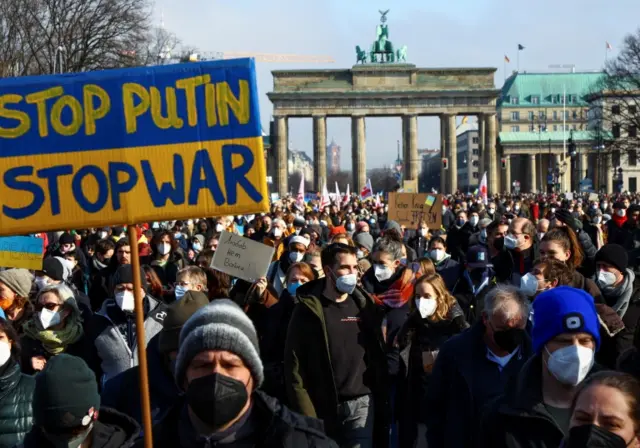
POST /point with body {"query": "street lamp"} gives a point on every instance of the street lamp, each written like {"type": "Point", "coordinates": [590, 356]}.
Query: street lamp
{"type": "Point", "coordinates": [617, 177]}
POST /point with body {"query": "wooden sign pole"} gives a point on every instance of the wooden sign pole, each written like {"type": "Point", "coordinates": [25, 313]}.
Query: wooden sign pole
{"type": "Point", "coordinates": [145, 400]}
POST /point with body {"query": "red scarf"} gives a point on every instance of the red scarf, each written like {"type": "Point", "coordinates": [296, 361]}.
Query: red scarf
{"type": "Point", "coordinates": [399, 292]}
{"type": "Point", "coordinates": [619, 220]}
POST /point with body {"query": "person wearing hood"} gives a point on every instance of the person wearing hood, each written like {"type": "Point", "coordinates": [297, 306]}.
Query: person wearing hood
{"type": "Point", "coordinates": [67, 243]}
{"type": "Point", "coordinates": [364, 244]}
{"type": "Point", "coordinates": [620, 228]}
{"type": "Point", "coordinates": [459, 234]}
{"type": "Point", "coordinates": [276, 238]}
{"type": "Point", "coordinates": [112, 330]}
{"type": "Point", "coordinates": [448, 218]}
{"type": "Point", "coordinates": [122, 392]}
{"type": "Point", "coordinates": [218, 367]}
{"type": "Point", "coordinates": [167, 259]}
{"type": "Point", "coordinates": [15, 287]}
{"type": "Point", "coordinates": [621, 292]}
{"type": "Point", "coordinates": [535, 409]}
{"type": "Point", "coordinates": [481, 236]}
{"type": "Point", "coordinates": [16, 389]}
{"type": "Point", "coordinates": [99, 272]}
{"type": "Point", "coordinates": [55, 328]}
{"type": "Point", "coordinates": [277, 271]}
{"type": "Point", "coordinates": [448, 268]}
{"type": "Point", "coordinates": [474, 283]}
{"type": "Point", "coordinates": [67, 411]}
{"type": "Point", "coordinates": [420, 242]}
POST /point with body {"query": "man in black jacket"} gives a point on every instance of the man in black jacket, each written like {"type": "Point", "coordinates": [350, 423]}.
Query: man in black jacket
{"type": "Point", "coordinates": [474, 367]}
{"type": "Point", "coordinates": [458, 236]}
{"type": "Point", "coordinates": [219, 368]}
{"type": "Point", "coordinates": [535, 410]}
{"type": "Point", "coordinates": [518, 254]}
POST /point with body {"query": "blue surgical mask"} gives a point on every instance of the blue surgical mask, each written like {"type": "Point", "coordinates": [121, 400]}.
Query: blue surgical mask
{"type": "Point", "coordinates": [403, 261]}
{"type": "Point", "coordinates": [180, 291]}
{"type": "Point", "coordinates": [293, 287]}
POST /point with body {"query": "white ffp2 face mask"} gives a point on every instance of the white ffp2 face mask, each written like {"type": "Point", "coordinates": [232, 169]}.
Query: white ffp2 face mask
{"type": "Point", "coordinates": [382, 272]}
{"type": "Point", "coordinates": [427, 306]}
{"type": "Point", "coordinates": [606, 278]}
{"type": "Point", "coordinates": [164, 248]}
{"type": "Point", "coordinates": [49, 318]}
{"type": "Point", "coordinates": [570, 365]}
{"type": "Point", "coordinates": [125, 300]}
{"type": "Point", "coordinates": [5, 353]}
{"type": "Point", "coordinates": [529, 285]}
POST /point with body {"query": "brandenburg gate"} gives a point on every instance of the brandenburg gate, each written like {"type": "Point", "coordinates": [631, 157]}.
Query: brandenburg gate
{"type": "Point", "coordinates": [388, 87]}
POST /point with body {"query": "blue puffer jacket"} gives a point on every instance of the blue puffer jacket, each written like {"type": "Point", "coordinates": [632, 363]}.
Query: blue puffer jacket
{"type": "Point", "coordinates": [16, 395]}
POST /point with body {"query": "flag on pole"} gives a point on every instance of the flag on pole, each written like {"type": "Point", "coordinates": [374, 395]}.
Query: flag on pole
{"type": "Point", "coordinates": [347, 196]}
{"type": "Point", "coordinates": [325, 200]}
{"type": "Point", "coordinates": [367, 191]}
{"type": "Point", "coordinates": [520, 47]}
{"type": "Point", "coordinates": [300, 198]}
{"type": "Point", "coordinates": [483, 188]}
{"type": "Point", "coordinates": [378, 202]}
{"type": "Point", "coordinates": [506, 59]}
{"type": "Point", "coordinates": [338, 195]}
{"type": "Point", "coordinates": [609, 47]}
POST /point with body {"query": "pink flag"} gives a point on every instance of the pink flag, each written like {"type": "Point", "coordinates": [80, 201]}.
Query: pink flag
{"type": "Point", "coordinates": [347, 196]}
{"type": "Point", "coordinates": [483, 188]}
{"type": "Point", "coordinates": [367, 191]}
{"type": "Point", "coordinates": [300, 198]}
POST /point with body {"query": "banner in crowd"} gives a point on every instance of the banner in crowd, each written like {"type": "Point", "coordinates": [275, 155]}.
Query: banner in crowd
{"type": "Point", "coordinates": [408, 209]}
{"type": "Point", "coordinates": [241, 257]}
{"type": "Point", "coordinates": [21, 252]}
{"type": "Point", "coordinates": [130, 145]}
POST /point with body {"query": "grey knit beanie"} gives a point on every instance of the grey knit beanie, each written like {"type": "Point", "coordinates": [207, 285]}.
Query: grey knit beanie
{"type": "Point", "coordinates": [18, 280]}
{"type": "Point", "coordinates": [221, 325]}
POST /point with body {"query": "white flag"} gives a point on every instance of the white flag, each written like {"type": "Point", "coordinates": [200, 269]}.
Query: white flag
{"type": "Point", "coordinates": [338, 196]}
{"type": "Point", "coordinates": [347, 196]}
{"type": "Point", "coordinates": [325, 200]}
{"type": "Point", "coordinates": [483, 188]}
{"type": "Point", "coordinates": [300, 198]}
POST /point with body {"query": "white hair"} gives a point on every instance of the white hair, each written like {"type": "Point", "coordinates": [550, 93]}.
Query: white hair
{"type": "Point", "coordinates": [496, 300]}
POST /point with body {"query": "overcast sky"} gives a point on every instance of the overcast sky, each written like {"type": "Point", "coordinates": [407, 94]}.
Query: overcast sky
{"type": "Point", "coordinates": [451, 33]}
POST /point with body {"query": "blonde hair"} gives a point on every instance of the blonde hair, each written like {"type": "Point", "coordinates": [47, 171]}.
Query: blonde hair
{"type": "Point", "coordinates": [445, 301]}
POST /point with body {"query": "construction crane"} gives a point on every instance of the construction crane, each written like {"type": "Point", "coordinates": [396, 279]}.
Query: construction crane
{"type": "Point", "coordinates": [262, 57]}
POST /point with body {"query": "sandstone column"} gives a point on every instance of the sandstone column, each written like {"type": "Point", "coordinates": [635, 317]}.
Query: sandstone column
{"type": "Point", "coordinates": [482, 166]}
{"type": "Point", "coordinates": [358, 152]}
{"type": "Point", "coordinates": [583, 169]}
{"type": "Point", "coordinates": [452, 151]}
{"type": "Point", "coordinates": [566, 179]}
{"type": "Point", "coordinates": [443, 154]}
{"type": "Point", "coordinates": [506, 174]}
{"type": "Point", "coordinates": [532, 173]}
{"type": "Point", "coordinates": [491, 166]}
{"type": "Point", "coordinates": [282, 155]}
{"type": "Point", "coordinates": [410, 153]}
{"type": "Point", "coordinates": [319, 152]}
{"type": "Point", "coordinates": [608, 168]}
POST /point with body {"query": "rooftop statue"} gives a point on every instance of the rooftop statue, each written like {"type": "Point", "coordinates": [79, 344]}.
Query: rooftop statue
{"type": "Point", "coordinates": [382, 50]}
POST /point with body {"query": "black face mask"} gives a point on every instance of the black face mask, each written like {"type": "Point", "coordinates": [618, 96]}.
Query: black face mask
{"type": "Point", "coordinates": [476, 275]}
{"type": "Point", "coordinates": [592, 436]}
{"type": "Point", "coordinates": [498, 243]}
{"type": "Point", "coordinates": [510, 339]}
{"type": "Point", "coordinates": [216, 399]}
{"type": "Point", "coordinates": [106, 260]}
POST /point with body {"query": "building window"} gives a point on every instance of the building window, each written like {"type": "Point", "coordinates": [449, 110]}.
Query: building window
{"type": "Point", "coordinates": [541, 115]}
{"type": "Point", "coordinates": [514, 100]}
{"type": "Point", "coordinates": [615, 130]}
{"type": "Point", "coordinates": [615, 109]}
{"type": "Point", "coordinates": [515, 116]}
{"type": "Point", "coordinates": [633, 109]}
{"type": "Point", "coordinates": [633, 157]}
{"type": "Point", "coordinates": [615, 158]}
{"type": "Point", "coordinates": [555, 127]}
{"type": "Point", "coordinates": [475, 140]}
{"type": "Point", "coordinates": [475, 175]}
{"type": "Point", "coordinates": [574, 127]}
{"type": "Point", "coordinates": [566, 115]}
{"type": "Point", "coordinates": [531, 115]}
{"type": "Point", "coordinates": [633, 184]}
{"type": "Point", "coordinates": [515, 128]}
{"type": "Point", "coordinates": [554, 100]}
{"type": "Point", "coordinates": [555, 114]}
{"type": "Point", "coordinates": [531, 128]}
{"type": "Point", "coordinates": [575, 114]}
{"type": "Point", "coordinates": [535, 100]}
{"type": "Point", "coordinates": [633, 131]}
{"type": "Point", "coordinates": [574, 99]}
{"type": "Point", "coordinates": [475, 152]}
{"type": "Point", "coordinates": [475, 163]}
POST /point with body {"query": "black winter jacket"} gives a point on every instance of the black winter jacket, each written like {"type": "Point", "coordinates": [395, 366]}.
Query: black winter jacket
{"type": "Point", "coordinates": [462, 383]}
{"type": "Point", "coordinates": [31, 348]}
{"type": "Point", "coordinates": [16, 395]}
{"type": "Point", "coordinates": [519, 419]}
{"type": "Point", "coordinates": [276, 426]}
{"type": "Point", "coordinates": [112, 430]}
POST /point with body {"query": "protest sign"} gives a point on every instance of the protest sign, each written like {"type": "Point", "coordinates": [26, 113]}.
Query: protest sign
{"type": "Point", "coordinates": [21, 252]}
{"type": "Point", "coordinates": [241, 257]}
{"type": "Point", "coordinates": [130, 145]}
{"type": "Point", "coordinates": [409, 209]}
{"type": "Point", "coordinates": [410, 186]}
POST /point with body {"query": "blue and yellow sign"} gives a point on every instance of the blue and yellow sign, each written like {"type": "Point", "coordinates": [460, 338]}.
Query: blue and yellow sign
{"type": "Point", "coordinates": [21, 252]}
{"type": "Point", "coordinates": [131, 145]}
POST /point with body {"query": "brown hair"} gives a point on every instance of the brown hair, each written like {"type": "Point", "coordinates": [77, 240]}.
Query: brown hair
{"type": "Point", "coordinates": [195, 274]}
{"type": "Point", "coordinates": [553, 269]}
{"type": "Point", "coordinates": [339, 236]}
{"type": "Point", "coordinates": [626, 384]}
{"type": "Point", "coordinates": [567, 240]}
{"type": "Point", "coordinates": [426, 266]}
{"type": "Point", "coordinates": [444, 298]}
{"type": "Point", "coordinates": [218, 284]}
{"type": "Point", "coordinates": [304, 268]}
{"type": "Point", "coordinates": [155, 285]}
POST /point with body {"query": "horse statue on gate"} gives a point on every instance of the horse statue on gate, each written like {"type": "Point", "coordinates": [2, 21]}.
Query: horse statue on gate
{"type": "Point", "coordinates": [361, 55]}
{"type": "Point", "coordinates": [401, 54]}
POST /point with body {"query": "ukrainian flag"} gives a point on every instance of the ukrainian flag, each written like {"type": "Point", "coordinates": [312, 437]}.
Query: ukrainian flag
{"type": "Point", "coordinates": [21, 252]}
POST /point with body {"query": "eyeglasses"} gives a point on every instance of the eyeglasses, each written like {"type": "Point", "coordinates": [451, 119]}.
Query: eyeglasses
{"type": "Point", "coordinates": [49, 306]}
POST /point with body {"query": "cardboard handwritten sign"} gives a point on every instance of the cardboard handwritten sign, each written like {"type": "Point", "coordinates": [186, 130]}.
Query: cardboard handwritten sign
{"type": "Point", "coordinates": [21, 252]}
{"type": "Point", "coordinates": [408, 209]}
{"type": "Point", "coordinates": [241, 257]}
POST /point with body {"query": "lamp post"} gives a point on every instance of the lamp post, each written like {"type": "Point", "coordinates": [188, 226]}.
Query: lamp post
{"type": "Point", "coordinates": [540, 130]}
{"type": "Point", "coordinates": [618, 178]}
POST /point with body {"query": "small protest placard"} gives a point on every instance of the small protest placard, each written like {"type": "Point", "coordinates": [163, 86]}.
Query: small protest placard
{"type": "Point", "coordinates": [241, 257]}
{"type": "Point", "coordinates": [409, 209]}
{"type": "Point", "coordinates": [21, 252]}
{"type": "Point", "coordinates": [593, 197]}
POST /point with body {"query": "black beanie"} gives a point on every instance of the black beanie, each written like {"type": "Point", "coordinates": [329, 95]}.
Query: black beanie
{"type": "Point", "coordinates": [66, 395]}
{"type": "Point", "coordinates": [124, 274]}
{"type": "Point", "coordinates": [66, 238]}
{"type": "Point", "coordinates": [615, 255]}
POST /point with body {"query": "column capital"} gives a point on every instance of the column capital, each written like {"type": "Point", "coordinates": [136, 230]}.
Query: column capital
{"type": "Point", "coordinates": [277, 115]}
{"type": "Point", "coordinates": [358, 115]}
{"type": "Point", "coordinates": [318, 115]}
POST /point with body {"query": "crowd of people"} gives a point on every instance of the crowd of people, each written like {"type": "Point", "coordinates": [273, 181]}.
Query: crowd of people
{"type": "Point", "coordinates": [514, 323]}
